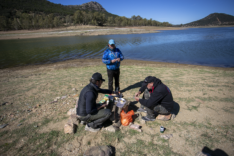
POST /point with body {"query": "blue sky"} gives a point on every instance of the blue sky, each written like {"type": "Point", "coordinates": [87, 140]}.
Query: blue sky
{"type": "Point", "coordinates": [172, 11]}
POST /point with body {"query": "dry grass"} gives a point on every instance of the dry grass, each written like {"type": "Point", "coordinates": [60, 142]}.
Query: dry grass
{"type": "Point", "coordinates": [205, 118]}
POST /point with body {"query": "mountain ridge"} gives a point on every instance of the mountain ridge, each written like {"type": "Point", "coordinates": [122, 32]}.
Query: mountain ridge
{"type": "Point", "coordinates": [214, 19]}
{"type": "Point", "coordinates": [88, 6]}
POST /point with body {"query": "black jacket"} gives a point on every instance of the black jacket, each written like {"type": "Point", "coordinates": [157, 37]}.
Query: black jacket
{"type": "Point", "coordinates": [161, 95]}
{"type": "Point", "coordinates": [81, 109]}
{"type": "Point", "coordinates": [87, 102]}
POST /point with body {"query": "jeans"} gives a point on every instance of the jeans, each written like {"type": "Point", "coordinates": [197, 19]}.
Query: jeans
{"type": "Point", "coordinates": [113, 74]}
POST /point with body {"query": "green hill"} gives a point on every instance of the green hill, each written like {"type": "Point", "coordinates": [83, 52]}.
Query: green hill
{"type": "Point", "coordinates": [214, 19]}
{"type": "Point", "coordinates": [36, 14]}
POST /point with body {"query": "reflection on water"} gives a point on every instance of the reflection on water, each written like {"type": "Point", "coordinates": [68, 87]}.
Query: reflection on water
{"type": "Point", "coordinates": [204, 46]}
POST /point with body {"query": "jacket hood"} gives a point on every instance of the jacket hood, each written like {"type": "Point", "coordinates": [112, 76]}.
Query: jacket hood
{"type": "Point", "coordinates": [156, 81]}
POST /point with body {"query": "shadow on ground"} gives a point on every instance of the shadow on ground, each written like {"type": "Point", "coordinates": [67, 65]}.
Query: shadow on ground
{"type": "Point", "coordinates": [176, 108]}
{"type": "Point", "coordinates": [216, 152]}
{"type": "Point", "coordinates": [136, 85]}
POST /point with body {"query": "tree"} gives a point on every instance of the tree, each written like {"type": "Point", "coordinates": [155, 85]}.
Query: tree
{"type": "Point", "coordinates": [110, 20]}
{"type": "Point", "coordinates": [78, 17]}
{"type": "Point", "coordinates": [50, 20]}
{"type": "Point", "coordinates": [138, 19]}
{"type": "Point", "coordinates": [68, 20]}
{"type": "Point", "coordinates": [56, 22]}
{"type": "Point", "coordinates": [3, 23]}
{"type": "Point", "coordinates": [133, 19]}
{"type": "Point", "coordinates": [15, 24]}
{"type": "Point", "coordinates": [25, 21]}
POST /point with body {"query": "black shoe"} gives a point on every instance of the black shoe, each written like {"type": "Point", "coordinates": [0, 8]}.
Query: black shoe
{"type": "Point", "coordinates": [147, 118]}
{"type": "Point", "coordinates": [117, 89]}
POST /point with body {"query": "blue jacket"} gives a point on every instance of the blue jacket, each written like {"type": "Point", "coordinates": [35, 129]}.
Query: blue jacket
{"type": "Point", "coordinates": [109, 55]}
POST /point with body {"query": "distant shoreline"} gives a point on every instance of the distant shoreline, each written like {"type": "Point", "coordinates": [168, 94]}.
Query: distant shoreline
{"type": "Point", "coordinates": [80, 31]}
{"type": "Point", "coordinates": [87, 31]}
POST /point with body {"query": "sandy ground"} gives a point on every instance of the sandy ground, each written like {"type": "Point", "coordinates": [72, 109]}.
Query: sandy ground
{"type": "Point", "coordinates": [79, 31]}
{"type": "Point", "coordinates": [203, 98]}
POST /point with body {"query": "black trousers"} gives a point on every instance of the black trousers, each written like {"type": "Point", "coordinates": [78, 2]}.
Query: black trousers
{"type": "Point", "coordinates": [99, 117]}
{"type": "Point", "coordinates": [113, 74]}
{"type": "Point", "coordinates": [158, 108]}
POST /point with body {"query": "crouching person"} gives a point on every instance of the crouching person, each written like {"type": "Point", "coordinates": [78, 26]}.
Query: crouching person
{"type": "Point", "coordinates": [157, 98]}
{"type": "Point", "coordinates": [87, 109]}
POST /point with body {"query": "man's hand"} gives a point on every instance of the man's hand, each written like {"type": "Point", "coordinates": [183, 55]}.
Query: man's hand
{"type": "Point", "coordinates": [118, 59]}
{"type": "Point", "coordinates": [102, 106]}
{"type": "Point", "coordinates": [137, 94]}
{"type": "Point", "coordinates": [113, 61]}
{"type": "Point", "coordinates": [137, 98]}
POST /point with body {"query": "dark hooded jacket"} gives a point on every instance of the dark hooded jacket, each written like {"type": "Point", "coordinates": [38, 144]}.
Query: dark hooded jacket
{"type": "Point", "coordinates": [87, 99]}
{"type": "Point", "coordinates": [160, 95]}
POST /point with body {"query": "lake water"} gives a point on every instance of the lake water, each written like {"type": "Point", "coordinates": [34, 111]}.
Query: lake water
{"type": "Point", "coordinates": [199, 46]}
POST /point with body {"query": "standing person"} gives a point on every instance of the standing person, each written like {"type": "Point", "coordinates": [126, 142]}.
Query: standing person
{"type": "Point", "coordinates": [157, 97]}
{"type": "Point", "coordinates": [112, 57]}
{"type": "Point", "coordinates": [86, 107]}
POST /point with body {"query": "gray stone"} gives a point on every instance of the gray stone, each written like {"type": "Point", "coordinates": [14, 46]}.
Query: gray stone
{"type": "Point", "coordinates": [167, 136]}
{"type": "Point", "coordinates": [3, 126]}
{"type": "Point", "coordinates": [109, 129]}
{"type": "Point", "coordinates": [19, 124]}
{"type": "Point", "coordinates": [99, 151]}
{"type": "Point", "coordinates": [63, 97]}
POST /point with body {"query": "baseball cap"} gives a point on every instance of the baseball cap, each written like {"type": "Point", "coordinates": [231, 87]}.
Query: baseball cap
{"type": "Point", "coordinates": [149, 79]}
{"type": "Point", "coordinates": [97, 77]}
{"type": "Point", "coordinates": [111, 41]}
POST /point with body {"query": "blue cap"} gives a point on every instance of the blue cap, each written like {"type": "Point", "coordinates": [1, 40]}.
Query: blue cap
{"type": "Point", "coordinates": [111, 41]}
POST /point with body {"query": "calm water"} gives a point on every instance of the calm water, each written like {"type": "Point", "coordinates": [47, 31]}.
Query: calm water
{"type": "Point", "coordinates": [201, 46]}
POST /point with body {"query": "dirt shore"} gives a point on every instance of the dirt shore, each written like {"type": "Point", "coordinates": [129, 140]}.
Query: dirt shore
{"type": "Point", "coordinates": [79, 31]}
{"type": "Point", "coordinates": [86, 31]}
{"type": "Point", "coordinates": [34, 101]}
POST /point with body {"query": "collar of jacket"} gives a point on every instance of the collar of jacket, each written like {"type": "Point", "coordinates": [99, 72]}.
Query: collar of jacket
{"type": "Point", "coordinates": [111, 49]}
{"type": "Point", "coordinates": [95, 87]}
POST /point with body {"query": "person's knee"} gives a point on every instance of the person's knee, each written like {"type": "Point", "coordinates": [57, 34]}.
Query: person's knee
{"type": "Point", "coordinates": [106, 112]}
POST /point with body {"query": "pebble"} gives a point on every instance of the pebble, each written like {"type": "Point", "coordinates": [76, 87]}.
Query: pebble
{"type": "Point", "coordinates": [38, 105]}
{"type": "Point", "coordinates": [4, 103]}
{"type": "Point", "coordinates": [3, 126]}
{"type": "Point", "coordinates": [19, 124]}
{"type": "Point", "coordinates": [63, 97]}
{"type": "Point", "coordinates": [109, 129]}
{"type": "Point", "coordinates": [166, 136]}
{"type": "Point", "coordinates": [36, 126]}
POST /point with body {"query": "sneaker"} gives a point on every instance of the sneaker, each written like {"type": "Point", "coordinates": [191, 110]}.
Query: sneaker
{"type": "Point", "coordinates": [147, 118]}
{"type": "Point", "coordinates": [141, 110]}
{"type": "Point", "coordinates": [87, 128]}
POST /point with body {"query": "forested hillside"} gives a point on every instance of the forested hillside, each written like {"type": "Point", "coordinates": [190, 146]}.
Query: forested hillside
{"type": "Point", "coordinates": [36, 14]}
{"type": "Point", "coordinates": [214, 20]}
